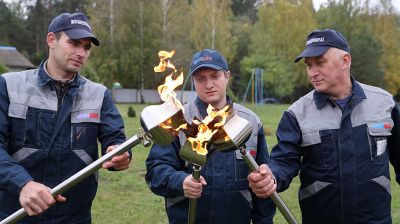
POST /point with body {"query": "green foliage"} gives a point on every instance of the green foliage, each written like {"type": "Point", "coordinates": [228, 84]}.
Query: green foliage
{"type": "Point", "coordinates": [244, 8]}
{"type": "Point", "coordinates": [131, 112]}
{"type": "Point", "coordinates": [3, 68]}
{"type": "Point", "coordinates": [89, 72]}
{"type": "Point", "coordinates": [213, 28]}
{"type": "Point", "coordinates": [12, 27]}
{"type": "Point", "coordinates": [386, 28]}
{"type": "Point", "coordinates": [276, 42]}
{"type": "Point", "coordinates": [348, 18]}
{"type": "Point", "coordinates": [243, 32]}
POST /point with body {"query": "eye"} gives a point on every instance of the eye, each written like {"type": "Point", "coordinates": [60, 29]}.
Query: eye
{"type": "Point", "coordinates": [199, 78]}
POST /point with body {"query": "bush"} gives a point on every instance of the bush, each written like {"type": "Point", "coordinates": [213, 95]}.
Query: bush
{"type": "Point", "coordinates": [131, 112]}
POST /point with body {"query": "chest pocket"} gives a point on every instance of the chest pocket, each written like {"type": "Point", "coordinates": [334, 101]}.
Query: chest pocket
{"type": "Point", "coordinates": [378, 132]}
{"type": "Point", "coordinates": [320, 148]}
{"type": "Point", "coordinates": [85, 125]}
{"type": "Point", "coordinates": [30, 127]}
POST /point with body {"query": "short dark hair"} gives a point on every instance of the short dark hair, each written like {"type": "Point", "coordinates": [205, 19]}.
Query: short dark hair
{"type": "Point", "coordinates": [58, 35]}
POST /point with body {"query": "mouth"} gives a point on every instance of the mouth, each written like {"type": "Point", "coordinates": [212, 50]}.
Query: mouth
{"type": "Point", "coordinates": [210, 93]}
{"type": "Point", "coordinates": [77, 63]}
{"type": "Point", "coordinates": [317, 82]}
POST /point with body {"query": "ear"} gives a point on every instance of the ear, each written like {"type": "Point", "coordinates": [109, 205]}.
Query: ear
{"type": "Point", "coordinates": [51, 40]}
{"type": "Point", "coordinates": [228, 74]}
{"type": "Point", "coordinates": [346, 61]}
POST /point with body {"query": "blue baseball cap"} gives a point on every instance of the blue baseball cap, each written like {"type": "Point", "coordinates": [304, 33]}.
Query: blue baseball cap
{"type": "Point", "coordinates": [75, 25]}
{"type": "Point", "coordinates": [208, 58]}
{"type": "Point", "coordinates": [319, 41]}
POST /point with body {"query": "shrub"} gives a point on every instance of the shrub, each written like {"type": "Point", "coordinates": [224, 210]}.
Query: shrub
{"type": "Point", "coordinates": [131, 112]}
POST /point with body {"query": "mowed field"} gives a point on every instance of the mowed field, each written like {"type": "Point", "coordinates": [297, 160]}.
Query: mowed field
{"type": "Point", "coordinates": [123, 197]}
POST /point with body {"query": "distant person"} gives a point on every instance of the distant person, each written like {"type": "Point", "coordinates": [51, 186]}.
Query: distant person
{"type": "Point", "coordinates": [223, 191]}
{"type": "Point", "coordinates": [51, 119]}
{"type": "Point", "coordinates": [340, 136]}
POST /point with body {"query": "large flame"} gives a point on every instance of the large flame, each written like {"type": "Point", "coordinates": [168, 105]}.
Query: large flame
{"type": "Point", "coordinates": [206, 128]}
{"type": "Point", "coordinates": [164, 62]}
{"type": "Point", "coordinates": [205, 132]}
{"type": "Point", "coordinates": [166, 90]}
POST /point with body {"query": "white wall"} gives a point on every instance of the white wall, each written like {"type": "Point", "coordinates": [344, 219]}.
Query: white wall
{"type": "Point", "coordinates": [149, 96]}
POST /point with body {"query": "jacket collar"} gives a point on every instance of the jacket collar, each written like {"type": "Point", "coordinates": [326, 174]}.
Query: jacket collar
{"type": "Point", "coordinates": [321, 99]}
{"type": "Point", "coordinates": [202, 106]}
{"type": "Point", "coordinates": [44, 78]}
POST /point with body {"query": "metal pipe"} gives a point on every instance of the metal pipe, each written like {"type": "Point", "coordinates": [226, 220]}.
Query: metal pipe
{"type": "Point", "coordinates": [78, 177]}
{"type": "Point", "coordinates": [193, 201]}
{"type": "Point", "coordinates": [287, 214]}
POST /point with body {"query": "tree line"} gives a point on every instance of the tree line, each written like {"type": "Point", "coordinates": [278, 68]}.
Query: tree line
{"type": "Point", "coordinates": [267, 34]}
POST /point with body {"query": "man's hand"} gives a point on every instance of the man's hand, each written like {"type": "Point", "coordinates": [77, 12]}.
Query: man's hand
{"type": "Point", "coordinates": [262, 182]}
{"type": "Point", "coordinates": [35, 198]}
{"type": "Point", "coordinates": [193, 188]}
{"type": "Point", "coordinates": [119, 162]}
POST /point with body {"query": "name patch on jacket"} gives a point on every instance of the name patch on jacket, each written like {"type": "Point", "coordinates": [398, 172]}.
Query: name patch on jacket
{"type": "Point", "coordinates": [81, 116]}
{"type": "Point", "coordinates": [382, 125]}
{"type": "Point", "coordinates": [87, 115]}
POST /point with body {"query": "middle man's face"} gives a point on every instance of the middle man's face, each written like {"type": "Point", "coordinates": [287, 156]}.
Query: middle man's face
{"type": "Point", "coordinates": [211, 86]}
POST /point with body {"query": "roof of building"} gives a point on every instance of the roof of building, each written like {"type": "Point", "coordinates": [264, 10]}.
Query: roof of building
{"type": "Point", "coordinates": [12, 58]}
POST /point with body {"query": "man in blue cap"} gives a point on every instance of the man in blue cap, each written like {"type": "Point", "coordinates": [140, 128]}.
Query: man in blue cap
{"type": "Point", "coordinates": [223, 191]}
{"type": "Point", "coordinates": [51, 121]}
{"type": "Point", "coordinates": [340, 136]}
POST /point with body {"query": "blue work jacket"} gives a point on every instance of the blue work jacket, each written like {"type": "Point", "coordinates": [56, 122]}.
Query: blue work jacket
{"type": "Point", "coordinates": [47, 141]}
{"type": "Point", "coordinates": [342, 155]}
{"type": "Point", "coordinates": [226, 198]}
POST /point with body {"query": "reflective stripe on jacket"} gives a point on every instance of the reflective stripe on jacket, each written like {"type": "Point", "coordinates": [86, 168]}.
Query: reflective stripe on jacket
{"type": "Point", "coordinates": [226, 198]}
{"type": "Point", "coordinates": [342, 155]}
{"type": "Point", "coordinates": [47, 144]}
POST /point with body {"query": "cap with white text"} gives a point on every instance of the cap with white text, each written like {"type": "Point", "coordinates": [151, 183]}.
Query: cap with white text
{"type": "Point", "coordinates": [319, 41]}
{"type": "Point", "coordinates": [75, 25]}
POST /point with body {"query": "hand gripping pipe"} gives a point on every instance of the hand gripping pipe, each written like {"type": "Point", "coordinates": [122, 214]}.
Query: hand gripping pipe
{"type": "Point", "coordinates": [85, 172]}
{"type": "Point", "coordinates": [153, 119]}
{"type": "Point", "coordinates": [192, 201]}
{"type": "Point", "coordinates": [275, 197]}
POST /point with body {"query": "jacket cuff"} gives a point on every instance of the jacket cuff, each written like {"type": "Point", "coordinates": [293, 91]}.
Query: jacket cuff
{"type": "Point", "coordinates": [20, 181]}
{"type": "Point", "coordinates": [277, 181]}
{"type": "Point", "coordinates": [176, 180]}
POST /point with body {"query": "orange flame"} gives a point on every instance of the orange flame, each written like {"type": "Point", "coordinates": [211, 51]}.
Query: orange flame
{"type": "Point", "coordinates": [164, 62]}
{"type": "Point", "coordinates": [204, 134]}
{"type": "Point", "coordinates": [168, 125]}
{"type": "Point", "coordinates": [166, 90]}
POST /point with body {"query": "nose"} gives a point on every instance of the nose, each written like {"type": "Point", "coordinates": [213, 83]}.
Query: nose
{"type": "Point", "coordinates": [81, 52]}
{"type": "Point", "coordinates": [312, 71]}
{"type": "Point", "coordinates": [209, 83]}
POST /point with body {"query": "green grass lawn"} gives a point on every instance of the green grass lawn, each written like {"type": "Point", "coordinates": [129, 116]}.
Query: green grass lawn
{"type": "Point", "coordinates": [123, 197]}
